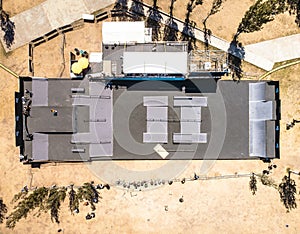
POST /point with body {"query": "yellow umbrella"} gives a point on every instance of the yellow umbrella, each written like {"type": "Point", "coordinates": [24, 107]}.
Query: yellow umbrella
{"type": "Point", "coordinates": [76, 68]}
{"type": "Point", "coordinates": [84, 63]}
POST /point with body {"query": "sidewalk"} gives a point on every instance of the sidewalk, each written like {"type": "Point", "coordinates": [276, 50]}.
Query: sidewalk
{"type": "Point", "coordinates": [279, 49]}
{"type": "Point", "coordinates": [48, 16]}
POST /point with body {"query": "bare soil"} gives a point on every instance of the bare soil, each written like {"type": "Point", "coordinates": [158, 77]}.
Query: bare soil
{"type": "Point", "coordinates": [224, 23]}
{"type": "Point", "coordinates": [214, 206]}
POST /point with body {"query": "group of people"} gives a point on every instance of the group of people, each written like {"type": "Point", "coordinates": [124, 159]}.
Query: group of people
{"type": "Point", "coordinates": [139, 184]}
{"type": "Point", "coordinates": [110, 86]}
{"type": "Point", "coordinates": [26, 101]}
{"type": "Point", "coordinates": [83, 53]}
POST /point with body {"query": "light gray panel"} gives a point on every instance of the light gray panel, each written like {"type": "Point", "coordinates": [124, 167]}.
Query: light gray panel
{"type": "Point", "coordinates": [157, 127]}
{"type": "Point", "coordinates": [257, 91]}
{"type": "Point", "coordinates": [97, 150]}
{"type": "Point", "coordinates": [261, 110]}
{"type": "Point", "coordinates": [155, 137]}
{"type": "Point", "coordinates": [40, 146]}
{"type": "Point", "coordinates": [97, 88]}
{"type": "Point", "coordinates": [190, 138]}
{"type": "Point", "coordinates": [190, 113]}
{"type": "Point", "coordinates": [190, 127]}
{"type": "Point", "coordinates": [156, 101]}
{"type": "Point", "coordinates": [40, 92]}
{"type": "Point", "coordinates": [157, 113]}
{"type": "Point", "coordinates": [100, 135]}
{"type": "Point", "coordinates": [257, 138]}
{"type": "Point", "coordinates": [190, 101]}
{"type": "Point", "coordinates": [157, 122]}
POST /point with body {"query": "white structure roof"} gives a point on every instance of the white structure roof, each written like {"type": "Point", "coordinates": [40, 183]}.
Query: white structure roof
{"type": "Point", "coordinates": [155, 62]}
{"type": "Point", "coordinates": [122, 32]}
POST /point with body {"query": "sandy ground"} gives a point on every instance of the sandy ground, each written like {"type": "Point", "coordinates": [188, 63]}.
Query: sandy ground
{"type": "Point", "coordinates": [86, 38]}
{"type": "Point", "coordinates": [215, 206]}
{"type": "Point", "coordinates": [16, 7]}
{"type": "Point", "coordinates": [225, 22]}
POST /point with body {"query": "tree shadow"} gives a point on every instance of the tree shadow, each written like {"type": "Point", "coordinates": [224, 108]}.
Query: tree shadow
{"type": "Point", "coordinates": [120, 10]}
{"type": "Point", "coordinates": [188, 33]}
{"type": "Point", "coordinates": [207, 35]}
{"type": "Point", "coordinates": [3, 210]}
{"type": "Point", "coordinates": [215, 8]}
{"type": "Point", "coordinates": [171, 30]}
{"type": "Point", "coordinates": [171, 27]}
{"type": "Point", "coordinates": [294, 9]}
{"type": "Point", "coordinates": [236, 53]}
{"type": "Point", "coordinates": [154, 21]}
{"type": "Point", "coordinates": [138, 10]}
{"type": "Point", "coordinates": [8, 27]}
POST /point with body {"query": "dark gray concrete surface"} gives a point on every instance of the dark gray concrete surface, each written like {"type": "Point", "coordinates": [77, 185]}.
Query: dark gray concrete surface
{"type": "Point", "coordinates": [225, 120]}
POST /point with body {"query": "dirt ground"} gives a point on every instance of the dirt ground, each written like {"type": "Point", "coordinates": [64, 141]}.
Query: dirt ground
{"type": "Point", "coordinates": [224, 23]}
{"type": "Point", "coordinates": [16, 7]}
{"type": "Point", "coordinates": [214, 206]}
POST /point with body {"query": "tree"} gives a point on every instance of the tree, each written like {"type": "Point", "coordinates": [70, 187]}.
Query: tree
{"type": "Point", "coordinates": [19, 196]}
{"type": "Point", "coordinates": [215, 8]}
{"type": "Point", "coordinates": [8, 27]}
{"type": "Point", "coordinates": [294, 9]}
{"type": "Point", "coordinates": [266, 180]}
{"type": "Point", "coordinates": [170, 30]}
{"type": "Point", "coordinates": [287, 190]}
{"type": "Point", "coordinates": [36, 199]}
{"type": "Point", "coordinates": [88, 192]}
{"type": "Point", "coordinates": [153, 21]}
{"type": "Point", "coordinates": [73, 200]}
{"type": "Point", "coordinates": [189, 25]}
{"type": "Point", "coordinates": [252, 184]}
{"type": "Point", "coordinates": [171, 27]}
{"type": "Point", "coordinates": [56, 196]}
{"type": "Point", "coordinates": [46, 199]}
{"type": "Point", "coordinates": [3, 210]}
{"type": "Point", "coordinates": [259, 14]}
{"type": "Point", "coordinates": [122, 7]}
{"type": "Point", "coordinates": [236, 54]}
{"type": "Point", "coordinates": [138, 10]}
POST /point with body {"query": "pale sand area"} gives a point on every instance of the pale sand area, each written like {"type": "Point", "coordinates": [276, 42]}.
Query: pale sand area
{"type": "Point", "coordinates": [218, 206]}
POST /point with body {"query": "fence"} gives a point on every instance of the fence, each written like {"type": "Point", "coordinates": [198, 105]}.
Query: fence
{"type": "Point", "coordinates": [99, 16]}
